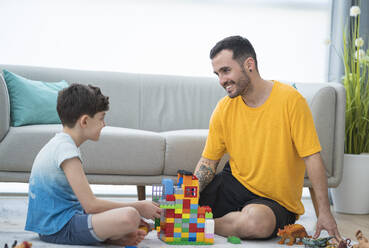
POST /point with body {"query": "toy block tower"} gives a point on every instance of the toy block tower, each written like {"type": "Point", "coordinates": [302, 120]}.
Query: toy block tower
{"type": "Point", "coordinates": [183, 221]}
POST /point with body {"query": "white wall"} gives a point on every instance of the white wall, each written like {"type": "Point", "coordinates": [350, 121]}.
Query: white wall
{"type": "Point", "coordinates": [165, 36]}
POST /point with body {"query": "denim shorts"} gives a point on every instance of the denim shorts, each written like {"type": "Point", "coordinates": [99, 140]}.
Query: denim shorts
{"type": "Point", "coordinates": [226, 194]}
{"type": "Point", "coordinates": [78, 231]}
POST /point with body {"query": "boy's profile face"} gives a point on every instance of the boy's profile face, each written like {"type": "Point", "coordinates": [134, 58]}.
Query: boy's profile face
{"type": "Point", "coordinates": [95, 125]}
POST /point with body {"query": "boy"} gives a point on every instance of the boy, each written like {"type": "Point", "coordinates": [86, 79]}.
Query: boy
{"type": "Point", "coordinates": [62, 208]}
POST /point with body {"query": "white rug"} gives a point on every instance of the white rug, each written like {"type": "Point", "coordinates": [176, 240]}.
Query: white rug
{"type": "Point", "coordinates": [13, 212]}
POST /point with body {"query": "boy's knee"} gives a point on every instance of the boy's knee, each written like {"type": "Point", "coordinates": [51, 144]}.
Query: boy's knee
{"type": "Point", "coordinates": [130, 217]}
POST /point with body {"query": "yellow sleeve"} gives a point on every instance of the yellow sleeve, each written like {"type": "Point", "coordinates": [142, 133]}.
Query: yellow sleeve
{"type": "Point", "coordinates": [215, 146]}
{"type": "Point", "coordinates": [303, 132]}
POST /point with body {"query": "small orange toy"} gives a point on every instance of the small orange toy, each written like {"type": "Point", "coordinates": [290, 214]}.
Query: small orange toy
{"type": "Point", "coordinates": [292, 232]}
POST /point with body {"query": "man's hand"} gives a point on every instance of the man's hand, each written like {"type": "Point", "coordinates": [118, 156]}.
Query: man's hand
{"type": "Point", "coordinates": [205, 171]}
{"type": "Point", "coordinates": [147, 209]}
{"type": "Point", "coordinates": [316, 172]}
{"type": "Point", "coordinates": [327, 222]}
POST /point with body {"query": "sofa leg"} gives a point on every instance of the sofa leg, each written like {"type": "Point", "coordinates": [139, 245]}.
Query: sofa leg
{"type": "Point", "coordinates": [141, 192]}
{"type": "Point", "coordinates": [315, 203]}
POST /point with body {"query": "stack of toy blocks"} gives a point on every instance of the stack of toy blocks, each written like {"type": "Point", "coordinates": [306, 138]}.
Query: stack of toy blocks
{"type": "Point", "coordinates": [182, 220]}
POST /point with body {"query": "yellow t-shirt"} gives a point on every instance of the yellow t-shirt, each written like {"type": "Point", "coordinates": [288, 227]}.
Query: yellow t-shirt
{"type": "Point", "coordinates": [266, 144]}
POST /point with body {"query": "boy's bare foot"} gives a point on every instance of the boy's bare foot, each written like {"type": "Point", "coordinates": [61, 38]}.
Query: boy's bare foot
{"type": "Point", "coordinates": [131, 239]}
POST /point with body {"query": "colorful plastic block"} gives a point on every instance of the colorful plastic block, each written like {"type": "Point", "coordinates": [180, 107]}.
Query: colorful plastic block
{"type": "Point", "coordinates": [182, 220]}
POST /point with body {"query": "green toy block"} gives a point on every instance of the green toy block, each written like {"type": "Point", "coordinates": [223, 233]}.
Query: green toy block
{"type": "Point", "coordinates": [193, 211]}
{"type": "Point", "coordinates": [208, 215]}
{"type": "Point", "coordinates": [185, 230]}
{"type": "Point", "coordinates": [177, 239]}
{"type": "Point", "coordinates": [157, 222]}
{"type": "Point", "coordinates": [185, 220]}
{"type": "Point", "coordinates": [177, 224]}
{"type": "Point", "coordinates": [234, 240]}
{"type": "Point", "coordinates": [178, 206]}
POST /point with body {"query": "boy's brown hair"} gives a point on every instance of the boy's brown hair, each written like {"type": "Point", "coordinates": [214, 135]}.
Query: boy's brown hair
{"type": "Point", "coordinates": [79, 99]}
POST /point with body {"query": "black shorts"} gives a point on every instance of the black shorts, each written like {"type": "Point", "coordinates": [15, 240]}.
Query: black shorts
{"type": "Point", "coordinates": [226, 194]}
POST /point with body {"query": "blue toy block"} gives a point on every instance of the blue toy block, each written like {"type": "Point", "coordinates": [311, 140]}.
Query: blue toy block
{"type": "Point", "coordinates": [192, 239]}
{"type": "Point", "coordinates": [194, 206]}
{"type": "Point", "coordinates": [192, 235]}
{"type": "Point", "coordinates": [193, 220]}
{"type": "Point", "coordinates": [176, 235]}
{"type": "Point", "coordinates": [200, 225]}
{"type": "Point", "coordinates": [168, 186]}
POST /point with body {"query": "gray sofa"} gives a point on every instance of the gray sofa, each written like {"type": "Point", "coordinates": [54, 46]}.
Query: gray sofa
{"type": "Point", "coordinates": [156, 125]}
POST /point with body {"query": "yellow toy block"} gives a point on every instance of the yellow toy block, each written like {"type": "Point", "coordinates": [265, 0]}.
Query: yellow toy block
{"type": "Point", "coordinates": [185, 216]}
{"type": "Point", "coordinates": [179, 197]}
{"type": "Point", "coordinates": [201, 220]}
{"type": "Point", "coordinates": [170, 220]}
{"type": "Point", "coordinates": [209, 241]}
{"type": "Point", "coordinates": [177, 229]}
{"type": "Point", "coordinates": [200, 237]}
{"type": "Point", "coordinates": [158, 229]}
{"type": "Point", "coordinates": [178, 210]}
{"type": "Point", "coordinates": [169, 239]}
{"type": "Point", "coordinates": [194, 200]}
{"type": "Point", "coordinates": [185, 235]}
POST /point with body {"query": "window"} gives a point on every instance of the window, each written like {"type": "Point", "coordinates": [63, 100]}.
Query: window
{"type": "Point", "coordinates": [166, 36]}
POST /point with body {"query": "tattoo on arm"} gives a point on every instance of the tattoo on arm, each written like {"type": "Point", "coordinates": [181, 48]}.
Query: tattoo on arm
{"type": "Point", "coordinates": [205, 174]}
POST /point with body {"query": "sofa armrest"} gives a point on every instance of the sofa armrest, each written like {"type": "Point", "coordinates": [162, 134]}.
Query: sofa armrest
{"type": "Point", "coordinates": [4, 108]}
{"type": "Point", "coordinates": [339, 134]}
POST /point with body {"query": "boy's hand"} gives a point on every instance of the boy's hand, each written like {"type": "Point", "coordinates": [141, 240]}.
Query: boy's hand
{"type": "Point", "coordinates": [148, 209]}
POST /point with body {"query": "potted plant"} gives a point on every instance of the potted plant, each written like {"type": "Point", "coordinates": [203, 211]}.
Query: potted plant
{"type": "Point", "coordinates": [352, 195]}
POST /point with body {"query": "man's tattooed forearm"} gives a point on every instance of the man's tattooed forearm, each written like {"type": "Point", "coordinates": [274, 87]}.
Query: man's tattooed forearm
{"type": "Point", "coordinates": [205, 174]}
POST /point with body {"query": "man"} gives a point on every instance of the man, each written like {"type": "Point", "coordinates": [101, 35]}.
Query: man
{"type": "Point", "coordinates": [267, 129]}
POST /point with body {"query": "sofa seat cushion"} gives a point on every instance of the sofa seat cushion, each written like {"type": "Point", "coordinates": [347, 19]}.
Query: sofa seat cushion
{"type": "Point", "coordinates": [21, 145]}
{"type": "Point", "coordinates": [184, 149]}
{"type": "Point", "coordinates": [124, 151]}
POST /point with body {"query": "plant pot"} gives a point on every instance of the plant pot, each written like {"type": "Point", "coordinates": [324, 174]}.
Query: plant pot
{"type": "Point", "coordinates": [352, 194]}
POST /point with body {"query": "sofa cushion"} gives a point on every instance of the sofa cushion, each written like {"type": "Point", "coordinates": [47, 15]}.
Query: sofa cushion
{"type": "Point", "coordinates": [32, 102]}
{"type": "Point", "coordinates": [21, 145]}
{"type": "Point", "coordinates": [119, 150]}
{"type": "Point", "coordinates": [184, 149]}
{"type": "Point", "coordinates": [124, 151]}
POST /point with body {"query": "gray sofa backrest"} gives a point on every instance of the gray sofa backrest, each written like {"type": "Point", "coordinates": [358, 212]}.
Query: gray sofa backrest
{"type": "Point", "coordinates": [164, 103]}
{"type": "Point", "coordinates": [147, 102]}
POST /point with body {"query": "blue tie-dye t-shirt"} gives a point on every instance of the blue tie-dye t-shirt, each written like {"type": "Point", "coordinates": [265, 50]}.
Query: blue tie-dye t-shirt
{"type": "Point", "coordinates": [51, 200]}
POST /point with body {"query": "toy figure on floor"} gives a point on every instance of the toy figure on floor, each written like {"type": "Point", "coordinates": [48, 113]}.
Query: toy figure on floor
{"type": "Point", "coordinates": [317, 243]}
{"type": "Point", "coordinates": [363, 241]}
{"type": "Point", "coordinates": [24, 244]}
{"type": "Point", "coordinates": [292, 232]}
{"type": "Point", "coordinates": [183, 221]}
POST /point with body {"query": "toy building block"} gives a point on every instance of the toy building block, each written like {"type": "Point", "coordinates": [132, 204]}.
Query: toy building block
{"type": "Point", "coordinates": [182, 220]}
{"type": "Point", "coordinates": [234, 240]}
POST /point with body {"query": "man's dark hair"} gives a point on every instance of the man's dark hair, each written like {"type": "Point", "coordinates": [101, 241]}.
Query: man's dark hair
{"type": "Point", "coordinates": [77, 100]}
{"type": "Point", "coordinates": [241, 48]}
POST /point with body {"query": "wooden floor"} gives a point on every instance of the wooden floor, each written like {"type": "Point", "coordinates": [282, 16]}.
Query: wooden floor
{"type": "Point", "coordinates": [348, 224]}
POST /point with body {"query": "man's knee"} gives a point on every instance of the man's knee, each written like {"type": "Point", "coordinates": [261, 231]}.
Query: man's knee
{"type": "Point", "coordinates": [257, 221]}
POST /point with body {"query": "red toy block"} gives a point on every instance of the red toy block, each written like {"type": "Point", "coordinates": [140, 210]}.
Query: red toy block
{"type": "Point", "coordinates": [200, 230]}
{"type": "Point", "coordinates": [178, 216]}
{"type": "Point", "coordinates": [170, 198]}
{"type": "Point", "coordinates": [193, 227]}
{"type": "Point", "coordinates": [186, 203]}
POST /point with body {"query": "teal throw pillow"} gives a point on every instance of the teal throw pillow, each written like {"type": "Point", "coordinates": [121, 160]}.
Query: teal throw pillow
{"type": "Point", "coordinates": [32, 102]}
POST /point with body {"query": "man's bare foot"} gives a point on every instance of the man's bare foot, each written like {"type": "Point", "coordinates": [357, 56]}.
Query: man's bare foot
{"type": "Point", "coordinates": [131, 239]}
